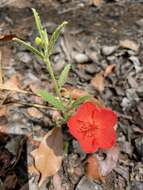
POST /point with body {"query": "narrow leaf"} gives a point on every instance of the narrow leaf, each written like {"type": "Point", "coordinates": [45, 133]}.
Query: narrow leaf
{"type": "Point", "coordinates": [51, 99]}
{"type": "Point", "coordinates": [80, 100]}
{"type": "Point", "coordinates": [29, 47]}
{"type": "Point", "coordinates": [64, 75]}
{"type": "Point", "coordinates": [38, 22]}
{"type": "Point", "coordinates": [55, 37]}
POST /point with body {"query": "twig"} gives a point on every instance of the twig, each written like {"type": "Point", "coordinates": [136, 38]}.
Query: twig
{"type": "Point", "coordinates": [1, 76]}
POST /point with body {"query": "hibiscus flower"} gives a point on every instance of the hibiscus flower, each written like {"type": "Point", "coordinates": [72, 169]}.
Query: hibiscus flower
{"type": "Point", "coordinates": [93, 127]}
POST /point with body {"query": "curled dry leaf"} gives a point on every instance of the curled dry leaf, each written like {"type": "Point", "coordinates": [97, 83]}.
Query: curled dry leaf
{"type": "Point", "coordinates": [96, 3]}
{"type": "Point", "coordinates": [98, 169]}
{"type": "Point", "coordinates": [3, 111]}
{"type": "Point", "coordinates": [48, 157]}
{"type": "Point", "coordinates": [57, 182]}
{"type": "Point", "coordinates": [10, 181]}
{"type": "Point", "coordinates": [12, 84]}
{"type": "Point", "coordinates": [110, 162]}
{"type": "Point", "coordinates": [98, 81]}
{"type": "Point", "coordinates": [75, 93]}
{"type": "Point", "coordinates": [129, 44]}
{"type": "Point", "coordinates": [109, 69]}
{"type": "Point", "coordinates": [93, 169]}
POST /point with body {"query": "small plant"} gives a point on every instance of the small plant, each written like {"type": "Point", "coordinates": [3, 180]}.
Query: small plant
{"type": "Point", "coordinates": [91, 125]}
{"type": "Point", "coordinates": [44, 50]}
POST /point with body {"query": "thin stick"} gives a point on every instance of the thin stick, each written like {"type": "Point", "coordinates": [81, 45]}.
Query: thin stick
{"type": "Point", "coordinates": [1, 75]}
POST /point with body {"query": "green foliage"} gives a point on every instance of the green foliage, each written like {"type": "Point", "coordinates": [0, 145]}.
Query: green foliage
{"type": "Point", "coordinates": [63, 76]}
{"type": "Point", "coordinates": [29, 47]}
{"type": "Point", "coordinates": [55, 37]}
{"type": "Point", "coordinates": [79, 101]}
{"type": "Point", "coordinates": [44, 50]}
{"type": "Point", "coordinates": [51, 99]}
{"type": "Point", "coordinates": [38, 23]}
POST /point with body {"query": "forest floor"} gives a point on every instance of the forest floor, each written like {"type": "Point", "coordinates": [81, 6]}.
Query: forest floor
{"type": "Point", "coordinates": [99, 35]}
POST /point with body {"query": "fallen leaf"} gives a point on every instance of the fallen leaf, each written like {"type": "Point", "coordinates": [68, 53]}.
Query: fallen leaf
{"type": "Point", "coordinates": [48, 157]}
{"type": "Point", "coordinates": [32, 169]}
{"type": "Point", "coordinates": [57, 182]}
{"type": "Point", "coordinates": [93, 169]}
{"type": "Point", "coordinates": [7, 37]}
{"type": "Point", "coordinates": [34, 112]}
{"type": "Point", "coordinates": [109, 69]}
{"type": "Point", "coordinates": [10, 181]}
{"type": "Point", "coordinates": [129, 44]}
{"type": "Point", "coordinates": [98, 169]}
{"type": "Point", "coordinates": [98, 81]}
{"type": "Point", "coordinates": [13, 83]}
{"type": "Point", "coordinates": [110, 162]}
{"type": "Point", "coordinates": [96, 3]}
{"type": "Point", "coordinates": [3, 111]}
{"type": "Point", "coordinates": [74, 93]}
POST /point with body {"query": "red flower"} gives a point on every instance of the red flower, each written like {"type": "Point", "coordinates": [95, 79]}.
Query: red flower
{"type": "Point", "coordinates": [93, 127]}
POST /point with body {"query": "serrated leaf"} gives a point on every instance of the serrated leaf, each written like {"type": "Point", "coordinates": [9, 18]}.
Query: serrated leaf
{"type": "Point", "coordinates": [55, 37]}
{"type": "Point", "coordinates": [38, 22]}
{"type": "Point", "coordinates": [29, 47]}
{"type": "Point", "coordinates": [64, 75]}
{"type": "Point", "coordinates": [51, 99]}
{"type": "Point", "coordinates": [80, 100]}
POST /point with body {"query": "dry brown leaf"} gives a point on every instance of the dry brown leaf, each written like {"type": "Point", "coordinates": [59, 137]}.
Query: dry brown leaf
{"type": "Point", "coordinates": [75, 93]}
{"type": "Point", "coordinates": [98, 81]}
{"type": "Point", "coordinates": [107, 165]}
{"type": "Point", "coordinates": [96, 3]}
{"type": "Point", "coordinates": [129, 44]}
{"type": "Point", "coordinates": [57, 182]}
{"type": "Point", "coordinates": [32, 169]}
{"type": "Point", "coordinates": [48, 157]}
{"type": "Point", "coordinates": [34, 112]}
{"type": "Point", "coordinates": [109, 69]}
{"type": "Point", "coordinates": [3, 111]}
{"type": "Point", "coordinates": [93, 169]}
{"type": "Point", "coordinates": [10, 181]}
{"type": "Point", "coordinates": [13, 83]}
{"type": "Point", "coordinates": [98, 169]}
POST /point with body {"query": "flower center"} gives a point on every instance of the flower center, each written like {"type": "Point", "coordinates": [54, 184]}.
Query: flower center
{"type": "Point", "coordinates": [88, 128]}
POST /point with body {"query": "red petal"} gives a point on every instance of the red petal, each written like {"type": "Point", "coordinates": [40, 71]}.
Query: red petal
{"type": "Point", "coordinates": [106, 138]}
{"type": "Point", "coordinates": [88, 144]}
{"type": "Point", "coordinates": [105, 118]}
{"type": "Point", "coordinates": [85, 111]}
{"type": "Point", "coordinates": [74, 126]}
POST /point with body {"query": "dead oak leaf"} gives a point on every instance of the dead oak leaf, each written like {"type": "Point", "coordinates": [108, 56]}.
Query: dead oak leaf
{"type": "Point", "coordinates": [98, 81]}
{"type": "Point", "coordinates": [48, 157]}
{"type": "Point", "coordinates": [74, 93]}
{"type": "Point", "coordinates": [97, 169]}
{"type": "Point", "coordinates": [93, 169]}
{"type": "Point", "coordinates": [129, 44]}
{"type": "Point", "coordinates": [12, 84]}
{"type": "Point", "coordinates": [96, 3]}
{"type": "Point", "coordinates": [109, 69]}
{"type": "Point", "coordinates": [110, 162]}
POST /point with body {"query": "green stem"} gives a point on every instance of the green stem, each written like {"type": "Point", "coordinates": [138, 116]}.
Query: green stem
{"type": "Point", "coordinates": [47, 62]}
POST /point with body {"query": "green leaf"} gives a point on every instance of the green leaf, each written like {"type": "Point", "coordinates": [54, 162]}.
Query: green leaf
{"type": "Point", "coordinates": [64, 75]}
{"type": "Point", "coordinates": [51, 99]}
{"type": "Point", "coordinates": [46, 40]}
{"type": "Point", "coordinates": [29, 47]}
{"type": "Point", "coordinates": [38, 23]}
{"type": "Point", "coordinates": [80, 100]}
{"type": "Point", "coordinates": [55, 37]}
